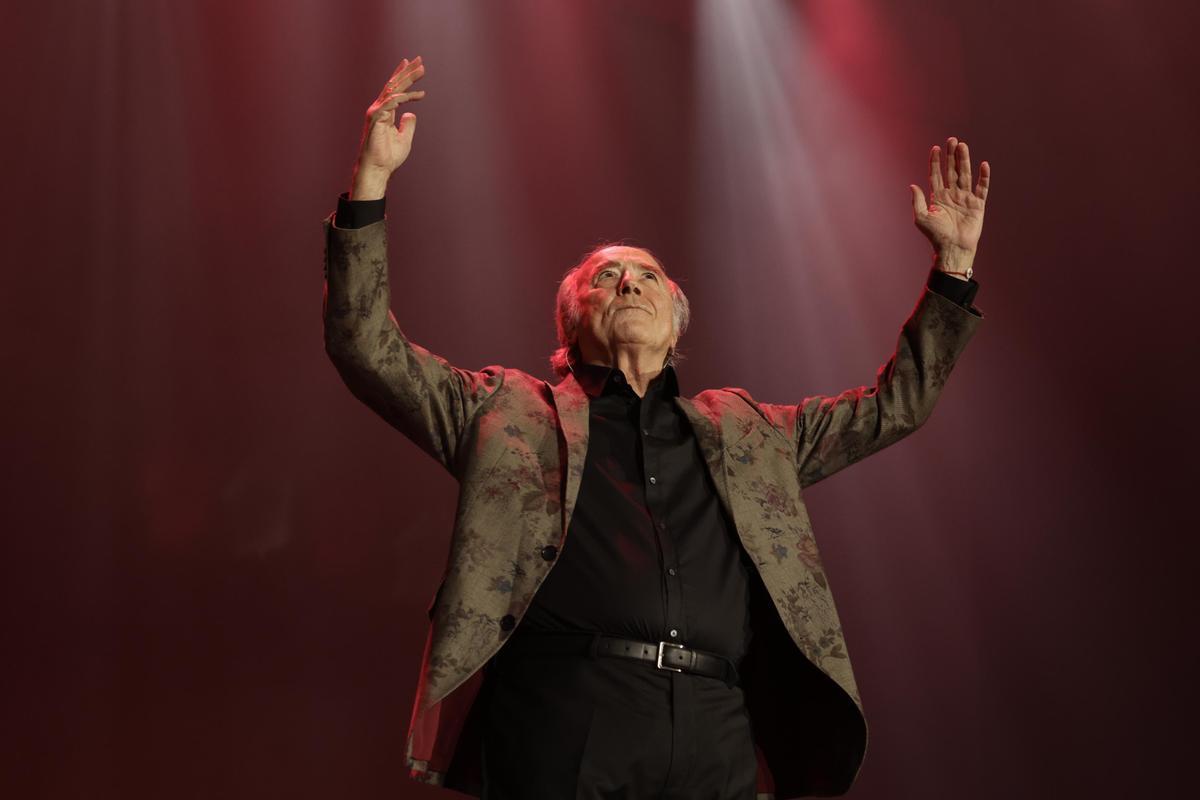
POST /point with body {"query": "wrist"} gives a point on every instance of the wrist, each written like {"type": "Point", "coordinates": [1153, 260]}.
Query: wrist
{"type": "Point", "coordinates": [954, 261]}
{"type": "Point", "coordinates": [368, 183]}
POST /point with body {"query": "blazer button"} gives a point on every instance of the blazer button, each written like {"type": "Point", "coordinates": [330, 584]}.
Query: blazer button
{"type": "Point", "coordinates": [549, 552]}
{"type": "Point", "coordinates": [508, 622]}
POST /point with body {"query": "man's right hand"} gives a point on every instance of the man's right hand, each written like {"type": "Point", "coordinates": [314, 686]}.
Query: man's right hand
{"type": "Point", "coordinates": [385, 146]}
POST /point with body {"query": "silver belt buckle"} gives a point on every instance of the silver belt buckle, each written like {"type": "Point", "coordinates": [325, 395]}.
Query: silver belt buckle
{"type": "Point", "coordinates": [659, 663]}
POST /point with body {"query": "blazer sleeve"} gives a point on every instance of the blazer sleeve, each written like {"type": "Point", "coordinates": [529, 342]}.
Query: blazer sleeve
{"type": "Point", "coordinates": [830, 433]}
{"type": "Point", "coordinates": [428, 400]}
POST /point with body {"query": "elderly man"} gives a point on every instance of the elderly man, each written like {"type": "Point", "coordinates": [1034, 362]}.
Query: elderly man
{"type": "Point", "coordinates": [633, 605]}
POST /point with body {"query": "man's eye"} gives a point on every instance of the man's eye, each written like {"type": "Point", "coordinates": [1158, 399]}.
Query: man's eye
{"type": "Point", "coordinates": [651, 275]}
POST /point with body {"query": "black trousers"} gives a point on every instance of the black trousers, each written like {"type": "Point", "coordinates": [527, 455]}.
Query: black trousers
{"type": "Point", "coordinates": [558, 727]}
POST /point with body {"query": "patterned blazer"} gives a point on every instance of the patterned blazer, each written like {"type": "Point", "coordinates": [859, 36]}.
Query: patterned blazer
{"type": "Point", "coordinates": [517, 445]}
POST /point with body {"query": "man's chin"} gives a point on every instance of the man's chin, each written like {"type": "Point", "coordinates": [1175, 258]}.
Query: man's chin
{"type": "Point", "coordinates": [633, 332]}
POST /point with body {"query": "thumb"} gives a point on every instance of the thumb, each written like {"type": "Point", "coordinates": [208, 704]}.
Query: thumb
{"type": "Point", "coordinates": [408, 125]}
{"type": "Point", "coordinates": [919, 207]}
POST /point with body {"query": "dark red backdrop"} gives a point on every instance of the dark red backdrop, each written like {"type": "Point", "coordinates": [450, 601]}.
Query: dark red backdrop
{"type": "Point", "coordinates": [216, 562]}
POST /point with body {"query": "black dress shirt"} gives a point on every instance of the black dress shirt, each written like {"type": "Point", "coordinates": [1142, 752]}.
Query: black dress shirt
{"type": "Point", "coordinates": [650, 553]}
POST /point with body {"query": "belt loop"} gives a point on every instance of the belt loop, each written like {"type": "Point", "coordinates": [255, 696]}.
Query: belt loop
{"type": "Point", "coordinates": [731, 674]}
{"type": "Point", "coordinates": [595, 643]}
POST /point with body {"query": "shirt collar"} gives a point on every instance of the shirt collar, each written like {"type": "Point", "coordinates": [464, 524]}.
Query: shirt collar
{"type": "Point", "coordinates": [597, 379]}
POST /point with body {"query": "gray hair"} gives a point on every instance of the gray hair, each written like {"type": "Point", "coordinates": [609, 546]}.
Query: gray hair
{"type": "Point", "coordinates": [569, 314]}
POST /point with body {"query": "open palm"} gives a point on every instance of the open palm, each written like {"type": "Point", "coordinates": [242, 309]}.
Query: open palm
{"type": "Point", "coordinates": [385, 145]}
{"type": "Point", "coordinates": [952, 218]}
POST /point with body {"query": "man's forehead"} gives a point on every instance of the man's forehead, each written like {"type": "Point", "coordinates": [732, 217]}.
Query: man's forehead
{"type": "Point", "coordinates": [622, 254]}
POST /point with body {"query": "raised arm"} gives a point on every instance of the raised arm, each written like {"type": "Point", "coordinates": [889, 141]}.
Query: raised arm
{"type": "Point", "coordinates": [832, 432]}
{"type": "Point", "coordinates": [420, 394]}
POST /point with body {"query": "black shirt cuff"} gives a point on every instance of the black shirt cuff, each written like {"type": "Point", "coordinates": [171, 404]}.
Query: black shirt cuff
{"type": "Point", "coordinates": [961, 292]}
{"type": "Point", "coordinates": [357, 213]}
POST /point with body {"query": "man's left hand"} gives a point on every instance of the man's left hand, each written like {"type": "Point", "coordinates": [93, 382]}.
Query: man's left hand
{"type": "Point", "coordinates": [952, 219]}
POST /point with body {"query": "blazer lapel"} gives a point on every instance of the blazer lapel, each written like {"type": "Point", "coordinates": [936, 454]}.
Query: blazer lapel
{"type": "Point", "coordinates": [708, 434]}
{"type": "Point", "coordinates": [572, 404]}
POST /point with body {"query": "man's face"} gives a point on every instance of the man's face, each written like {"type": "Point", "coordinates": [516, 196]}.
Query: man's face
{"type": "Point", "coordinates": [626, 302]}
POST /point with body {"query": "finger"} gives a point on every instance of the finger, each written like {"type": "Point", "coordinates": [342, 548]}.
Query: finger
{"type": "Point", "coordinates": [403, 80]}
{"type": "Point", "coordinates": [411, 67]}
{"type": "Point", "coordinates": [405, 64]}
{"type": "Point", "coordinates": [391, 81]}
{"type": "Point", "coordinates": [408, 126]}
{"type": "Point", "coordinates": [403, 97]}
{"type": "Point", "coordinates": [951, 169]}
{"type": "Point", "coordinates": [384, 109]}
{"type": "Point", "coordinates": [935, 168]}
{"type": "Point", "coordinates": [405, 74]}
{"type": "Point", "coordinates": [395, 99]}
{"type": "Point", "coordinates": [985, 178]}
{"type": "Point", "coordinates": [918, 200]}
{"type": "Point", "coordinates": [964, 167]}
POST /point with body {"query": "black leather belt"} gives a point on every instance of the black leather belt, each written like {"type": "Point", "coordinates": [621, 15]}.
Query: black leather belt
{"type": "Point", "coordinates": [663, 655]}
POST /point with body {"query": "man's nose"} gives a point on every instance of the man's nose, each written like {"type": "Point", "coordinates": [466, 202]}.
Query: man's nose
{"type": "Point", "coordinates": [628, 285]}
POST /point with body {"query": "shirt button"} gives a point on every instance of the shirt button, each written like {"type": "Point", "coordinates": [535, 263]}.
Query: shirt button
{"type": "Point", "coordinates": [646, 431]}
{"type": "Point", "coordinates": [508, 622]}
{"type": "Point", "coordinates": [653, 479]}
{"type": "Point", "coordinates": [549, 552]}
{"type": "Point", "coordinates": [674, 633]}
{"type": "Point", "coordinates": [671, 571]}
